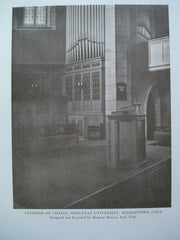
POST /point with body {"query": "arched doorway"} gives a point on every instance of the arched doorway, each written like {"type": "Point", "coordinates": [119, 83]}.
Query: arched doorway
{"type": "Point", "coordinates": [153, 112]}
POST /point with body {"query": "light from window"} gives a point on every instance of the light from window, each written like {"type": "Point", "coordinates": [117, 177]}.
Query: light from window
{"type": "Point", "coordinates": [29, 16]}
{"type": "Point", "coordinates": [143, 32]}
{"type": "Point", "coordinates": [35, 16]}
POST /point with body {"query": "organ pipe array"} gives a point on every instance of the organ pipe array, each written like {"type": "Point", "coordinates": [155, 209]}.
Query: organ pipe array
{"type": "Point", "coordinates": [84, 32]}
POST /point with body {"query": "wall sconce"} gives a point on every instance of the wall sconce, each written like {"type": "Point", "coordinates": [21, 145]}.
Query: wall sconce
{"type": "Point", "coordinates": [121, 91]}
{"type": "Point", "coordinates": [34, 85]}
{"type": "Point", "coordinates": [34, 89]}
{"type": "Point", "coordinates": [80, 84]}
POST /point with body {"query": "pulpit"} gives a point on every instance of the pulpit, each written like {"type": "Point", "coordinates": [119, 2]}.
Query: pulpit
{"type": "Point", "coordinates": [127, 145]}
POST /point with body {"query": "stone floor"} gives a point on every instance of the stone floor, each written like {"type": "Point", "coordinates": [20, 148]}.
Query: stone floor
{"type": "Point", "coordinates": [62, 176]}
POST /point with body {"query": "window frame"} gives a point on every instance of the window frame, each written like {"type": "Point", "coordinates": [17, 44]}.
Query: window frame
{"type": "Point", "coordinates": [69, 88]}
{"type": "Point", "coordinates": [77, 87]}
{"type": "Point", "coordinates": [18, 19]}
{"type": "Point", "coordinates": [86, 86]}
{"type": "Point", "coordinates": [34, 25]}
{"type": "Point", "coordinates": [96, 89]}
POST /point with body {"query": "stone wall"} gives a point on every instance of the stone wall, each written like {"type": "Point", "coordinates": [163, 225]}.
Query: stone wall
{"type": "Point", "coordinates": [43, 45]}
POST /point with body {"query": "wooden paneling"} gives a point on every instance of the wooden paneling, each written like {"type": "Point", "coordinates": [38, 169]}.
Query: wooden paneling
{"type": "Point", "coordinates": [37, 96]}
{"type": "Point", "coordinates": [127, 141]}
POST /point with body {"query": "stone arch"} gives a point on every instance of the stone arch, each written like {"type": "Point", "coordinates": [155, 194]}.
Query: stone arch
{"type": "Point", "coordinates": [153, 111]}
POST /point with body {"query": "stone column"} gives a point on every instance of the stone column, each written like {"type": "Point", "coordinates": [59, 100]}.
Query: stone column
{"type": "Point", "coordinates": [110, 61]}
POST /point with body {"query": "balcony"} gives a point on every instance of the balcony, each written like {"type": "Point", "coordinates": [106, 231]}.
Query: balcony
{"type": "Point", "coordinates": [159, 54]}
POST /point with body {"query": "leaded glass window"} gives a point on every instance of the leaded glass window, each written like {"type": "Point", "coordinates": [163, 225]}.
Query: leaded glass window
{"type": "Point", "coordinates": [86, 86]}
{"type": "Point", "coordinates": [35, 16]}
{"type": "Point", "coordinates": [96, 85]}
{"type": "Point", "coordinates": [78, 86]}
{"type": "Point", "coordinates": [29, 16]}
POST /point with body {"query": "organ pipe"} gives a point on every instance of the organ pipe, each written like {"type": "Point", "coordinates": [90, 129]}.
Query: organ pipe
{"type": "Point", "coordinates": [84, 32]}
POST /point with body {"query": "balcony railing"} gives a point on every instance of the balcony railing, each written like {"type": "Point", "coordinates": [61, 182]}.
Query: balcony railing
{"type": "Point", "coordinates": [159, 54]}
